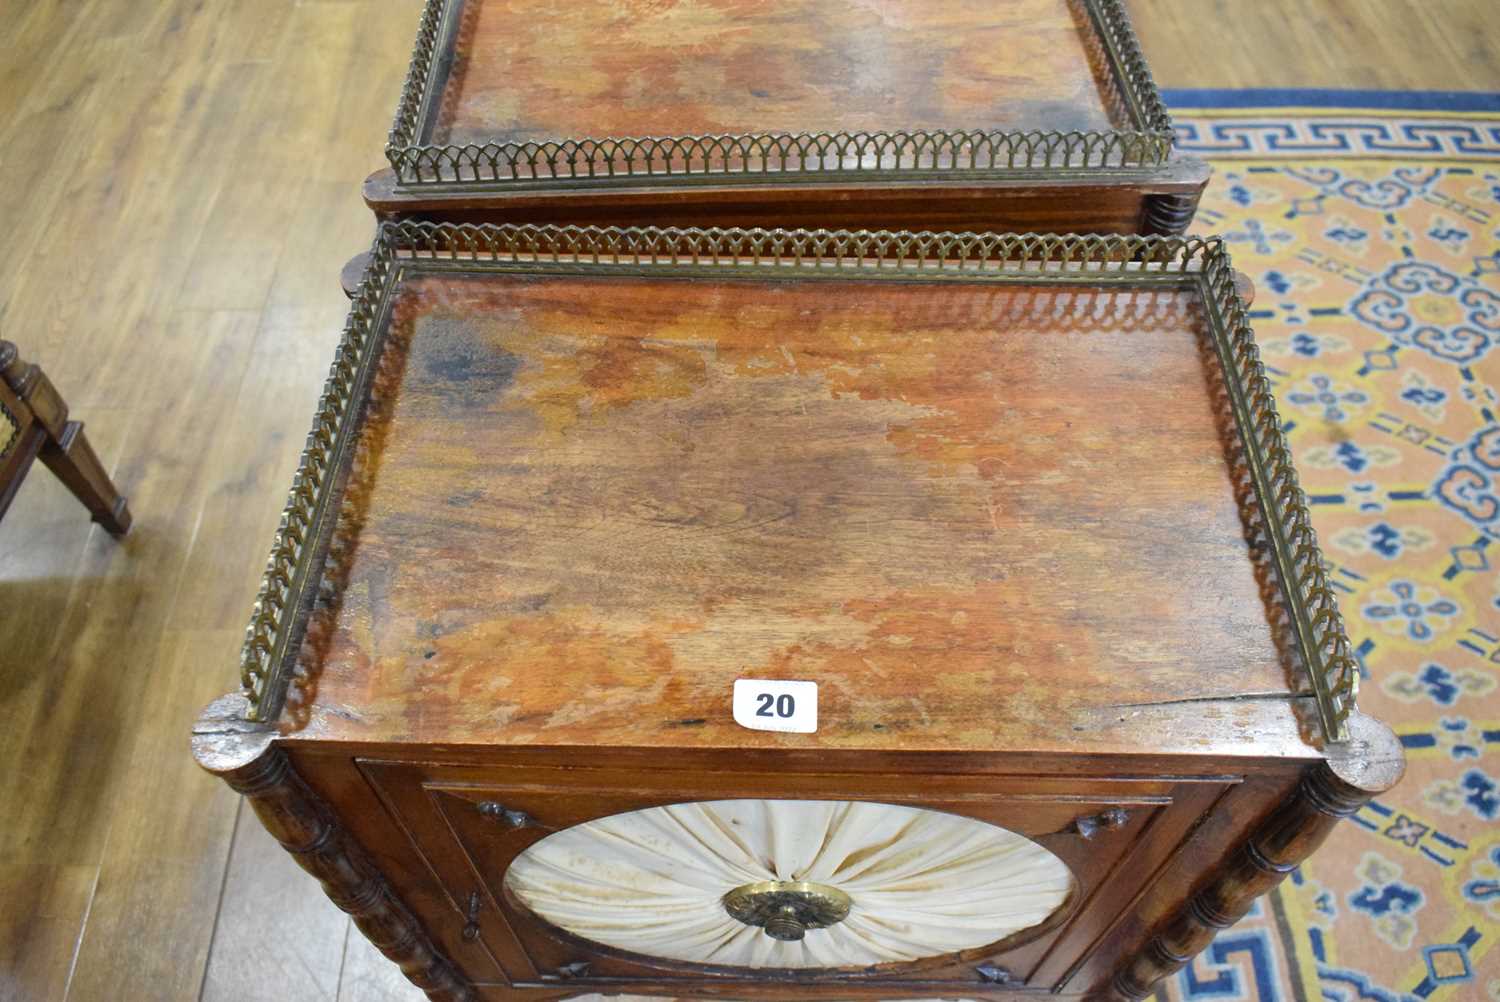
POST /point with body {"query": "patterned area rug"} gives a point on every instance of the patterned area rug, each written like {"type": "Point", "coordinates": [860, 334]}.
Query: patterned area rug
{"type": "Point", "coordinates": [1370, 224]}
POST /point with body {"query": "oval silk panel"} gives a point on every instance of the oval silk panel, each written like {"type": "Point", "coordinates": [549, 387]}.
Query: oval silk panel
{"type": "Point", "coordinates": [920, 883]}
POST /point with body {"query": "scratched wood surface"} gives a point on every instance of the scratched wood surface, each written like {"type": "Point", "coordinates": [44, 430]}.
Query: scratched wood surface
{"type": "Point", "coordinates": [584, 507]}
{"type": "Point", "coordinates": [684, 67]}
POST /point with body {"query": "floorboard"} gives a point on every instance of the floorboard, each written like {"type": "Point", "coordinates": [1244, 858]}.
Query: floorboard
{"type": "Point", "coordinates": [1353, 44]}
{"type": "Point", "coordinates": [274, 940]}
{"type": "Point", "coordinates": [180, 184]}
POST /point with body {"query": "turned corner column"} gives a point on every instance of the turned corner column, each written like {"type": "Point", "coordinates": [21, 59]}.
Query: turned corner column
{"type": "Point", "coordinates": [1169, 215]}
{"type": "Point", "coordinates": [1369, 764]}
{"type": "Point", "coordinates": [244, 754]}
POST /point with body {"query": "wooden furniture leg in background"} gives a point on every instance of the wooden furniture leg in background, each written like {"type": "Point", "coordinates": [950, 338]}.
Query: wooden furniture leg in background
{"type": "Point", "coordinates": [65, 449]}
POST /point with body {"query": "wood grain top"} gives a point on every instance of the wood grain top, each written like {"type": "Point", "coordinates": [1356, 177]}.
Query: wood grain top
{"type": "Point", "coordinates": [611, 68]}
{"type": "Point", "coordinates": [979, 517]}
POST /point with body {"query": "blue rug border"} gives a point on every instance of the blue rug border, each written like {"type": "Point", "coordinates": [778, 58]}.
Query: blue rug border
{"type": "Point", "coordinates": [1284, 97]}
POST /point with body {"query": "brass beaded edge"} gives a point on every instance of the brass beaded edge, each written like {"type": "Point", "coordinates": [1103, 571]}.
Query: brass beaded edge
{"type": "Point", "coordinates": [270, 637]}
{"type": "Point", "coordinates": [1322, 640]}
{"type": "Point", "coordinates": [1140, 91]}
{"type": "Point", "coordinates": [403, 132]}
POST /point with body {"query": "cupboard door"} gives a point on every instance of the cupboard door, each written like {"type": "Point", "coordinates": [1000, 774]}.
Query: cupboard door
{"type": "Point", "coordinates": [1080, 849]}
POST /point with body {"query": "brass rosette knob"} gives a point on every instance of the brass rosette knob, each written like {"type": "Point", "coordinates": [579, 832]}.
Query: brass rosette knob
{"type": "Point", "coordinates": [787, 909]}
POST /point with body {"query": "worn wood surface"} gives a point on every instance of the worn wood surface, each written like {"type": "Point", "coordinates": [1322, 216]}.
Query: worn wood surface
{"type": "Point", "coordinates": [129, 126]}
{"type": "Point", "coordinates": [585, 507]}
{"type": "Point", "coordinates": [701, 67]}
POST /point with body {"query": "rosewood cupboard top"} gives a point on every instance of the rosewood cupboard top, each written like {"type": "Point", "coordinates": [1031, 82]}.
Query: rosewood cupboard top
{"type": "Point", "coordinates": [992, 494]}
{"type": "Point", "coordinates": [716, 67]}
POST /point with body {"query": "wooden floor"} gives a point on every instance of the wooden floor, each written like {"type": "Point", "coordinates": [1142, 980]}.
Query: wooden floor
{"type": "Point", "coordinates": [1350, 44]}
{"type": "Point", "coordinates": [179, 185]}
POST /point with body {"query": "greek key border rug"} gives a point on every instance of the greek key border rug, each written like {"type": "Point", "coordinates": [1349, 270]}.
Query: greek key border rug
{"type": "Point", "coordinates": [1370, 225]}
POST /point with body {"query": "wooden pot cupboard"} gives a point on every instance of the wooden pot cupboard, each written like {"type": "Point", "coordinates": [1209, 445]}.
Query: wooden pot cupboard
{"type": "Point", "coordinates": [1014, 512]}
{"type": "Point", "coordinates": [1035, 115]}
